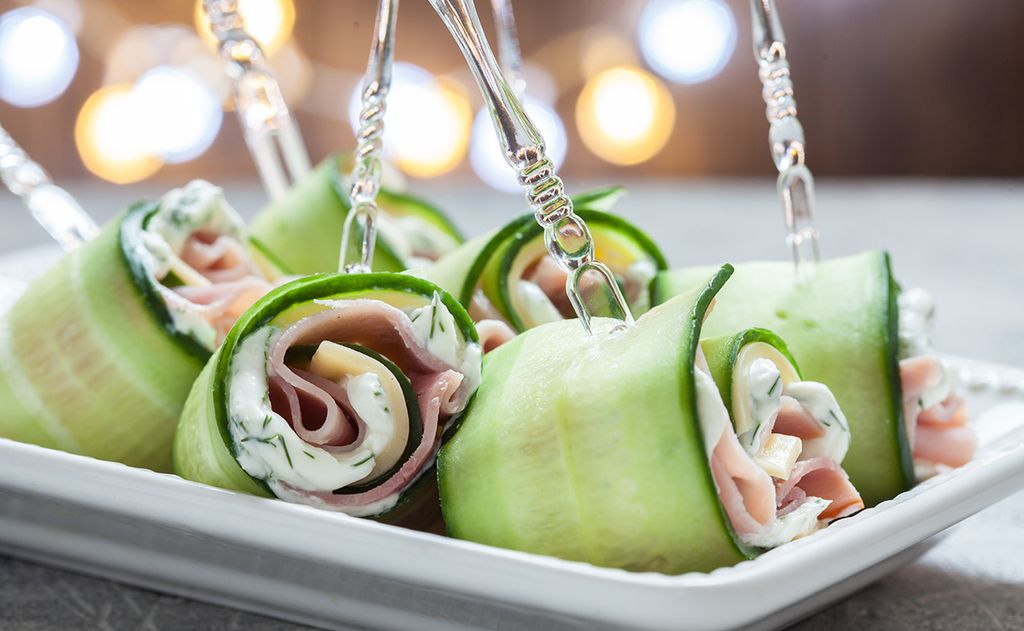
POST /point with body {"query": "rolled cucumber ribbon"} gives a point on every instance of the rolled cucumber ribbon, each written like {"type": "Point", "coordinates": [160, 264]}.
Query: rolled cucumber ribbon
{"type": "Point", "coordinates": [97, 356]}
{"type": "Point", "coordinates": [304, 228]}
{"type": "Point", "coordinates": [333, 391]}
{"type": "Point", "coordinates": [507, 276]}
{"type": "Point", "coordinates": [611, 449]}
{"type": "Point", "coordinates": [841, 324]}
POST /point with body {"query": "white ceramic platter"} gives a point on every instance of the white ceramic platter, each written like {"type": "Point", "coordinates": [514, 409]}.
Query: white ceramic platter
{"type": "Point", "coordinates": [329, 570]}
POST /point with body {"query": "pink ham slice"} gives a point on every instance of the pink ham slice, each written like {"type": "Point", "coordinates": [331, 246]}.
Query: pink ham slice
{"type": "Point", "coordinates": [943, 435]}
{"type": "Point", "coordinates": [319, 411]}
{"type": "Point", "coordinates": [218, 257]}
{"type": "Point", "coordinates": [940, 434]}
{"type": "Point", "coordinates": [493, 333]}
{"type": "Point", "coordinates": [235, 283]}
{"type": "Point", "coordinates": [746, 492]}
{"type": "Point", "coordinates": [794, 420]}
{"type": "Point", "coordinates": [752, 499]}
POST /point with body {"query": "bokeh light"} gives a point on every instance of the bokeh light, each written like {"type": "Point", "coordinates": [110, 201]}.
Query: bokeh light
{"type": "Point", "coordinates": [428, 121]}
{"type": "Point", "coordinates": [485, 154]}
{"type": "Point", "coordinates": [182, 116]}
{"type": "Point", "coordinates": [687, 40]}
{"type": "Point", "coordinates": [110, 136]}
{"type": "Point", "coordinates": [270, 22]}
{"type": "Point", "coordinates": [38, 57]}
{"type": "Point", "coordinates": [625, 115]}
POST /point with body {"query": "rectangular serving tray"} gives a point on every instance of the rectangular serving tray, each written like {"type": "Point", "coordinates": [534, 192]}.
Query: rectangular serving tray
{"type": "Point", "coordinates": [330, 570]}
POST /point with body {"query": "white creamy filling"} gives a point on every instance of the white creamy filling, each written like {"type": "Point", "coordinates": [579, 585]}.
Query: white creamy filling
{"type": "Point", "coordinates": [713, 417]}
{"type": "Point", "coordinates": [821, 404]}
{"type": "Point", "coordinates": [267, 446]}
{"type": "Point", "coordinates": [436, 330]}
{"type": "Point", "coordinates": [801, 521]}
{"type": "Point", "coordinates": [765, 390]}
{"type": "Point", "coordinates": [197, 206]}
{"type": "Point", "coordinates": [365, 394]}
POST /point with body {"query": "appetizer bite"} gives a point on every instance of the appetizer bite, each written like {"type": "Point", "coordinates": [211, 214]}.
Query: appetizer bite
{"type": "Point", "coordinates": [618, 449]}
{"type": "Point", "coordinates": [305, 226]}
{"type": "Point", "coordinates": [98, 354]}
{"type": "Point", "coordinates": [509, 284]}
{"type": "Point", "coordinates": [334, 391]}
{"type": "Point", "coordinates": [851, 329]}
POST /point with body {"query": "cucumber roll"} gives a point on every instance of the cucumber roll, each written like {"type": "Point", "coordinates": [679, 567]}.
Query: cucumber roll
{"type": "Point", "coordinates": [845, 324]}
{"type": "Point", "coordinates": [333, 391]}
{"type": "Point", "coordinates": [509, 284]}
{"type": "Point", "coordinates": [304, 228]}
{"type": "Point", "coordinates": [617, 449]}
{"type": "Point", "coordinates": [98, 355]}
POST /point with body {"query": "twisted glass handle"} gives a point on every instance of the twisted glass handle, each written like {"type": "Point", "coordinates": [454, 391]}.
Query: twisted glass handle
{"type": "Point", "coordinates": [50, 205]}
{"type": "Point", "coordinates": [566, 235]}
{"type": "Point", "coordinates": [785, 135]}
{"type": "Point", "coordinates": [270, 131]}
{"type": "Point", "coordinates": [361, 222]}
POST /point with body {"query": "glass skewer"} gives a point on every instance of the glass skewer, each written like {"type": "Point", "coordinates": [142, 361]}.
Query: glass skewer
{"type": "Point", "coordinates": [509, 54]}
{"type": "Point", "coordinates": [785, 135]}
{"type": "Point", "coordinates": [51, 206]}
{"type": "Point", "coordinates": [361, 222]}
{"type": "Point", "coordinates": [566, 235]}
{"type": "Point", "coordinates": [270, 131]}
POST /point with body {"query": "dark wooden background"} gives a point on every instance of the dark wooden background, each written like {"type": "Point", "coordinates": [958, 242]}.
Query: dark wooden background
{"type": "Point", "coordinates": [885, 87]}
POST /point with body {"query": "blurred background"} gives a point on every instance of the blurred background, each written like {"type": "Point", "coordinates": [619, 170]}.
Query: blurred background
{"type": "Point", "coordinates": [913, 114]}
{"type": "Point", "coordinates": [128, 91]}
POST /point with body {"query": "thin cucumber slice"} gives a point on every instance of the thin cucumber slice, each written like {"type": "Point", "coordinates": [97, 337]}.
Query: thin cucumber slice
{"type": "Point", "coordinates": [590, 448]}
{"type": "Point", "coordinates": [88, 363]}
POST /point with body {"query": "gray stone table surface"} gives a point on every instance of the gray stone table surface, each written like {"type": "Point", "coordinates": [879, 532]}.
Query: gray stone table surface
{"type": "Point", "coordinates": [963, 240]}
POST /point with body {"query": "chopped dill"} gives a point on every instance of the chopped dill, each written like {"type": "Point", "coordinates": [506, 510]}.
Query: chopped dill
{"type": "Point", "coordinates": [364, 460]}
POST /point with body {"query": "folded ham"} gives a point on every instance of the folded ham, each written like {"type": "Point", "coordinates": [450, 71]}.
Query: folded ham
{"type": "Point", "coordinates": [232, 284]}
{"type": "Point", "coordinates": [755, 501]}
{"type": "Point", "coordinates": [319, 409]}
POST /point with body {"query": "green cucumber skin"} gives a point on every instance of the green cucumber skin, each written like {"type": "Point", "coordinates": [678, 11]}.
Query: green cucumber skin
{"type": "Point", "coordinates": [842, 327]}
{"type": "Point", "coordinates": [589, 448]}
{"type": "Point", "coordinates": [88, 365]}
{"type": "Point", "coordinates": [203, 448]}
{"type": "Point", "coordinates": [304, 228]}
{"type": "Point", "coordinates": [721, 353]}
